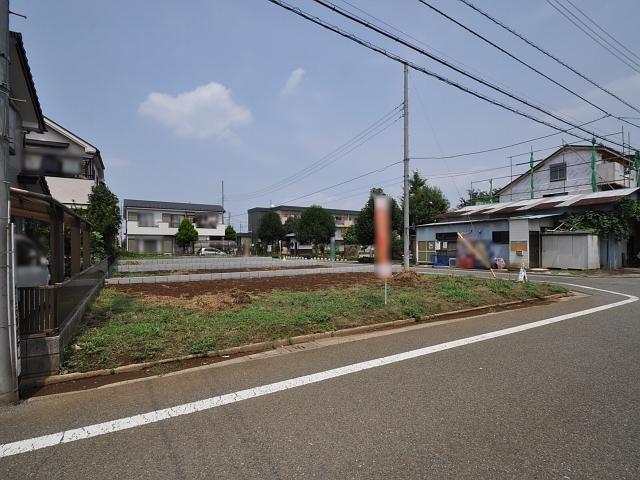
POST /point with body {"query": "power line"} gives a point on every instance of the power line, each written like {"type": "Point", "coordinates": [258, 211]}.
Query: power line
{"type": "Point", "coordinates": [548, 54]}
{"type": "Point", "coordinates": [588, 31]}
{"type": "Point", "coordinates": [350, 145]}
{"type": "Point", "coordinates": [602, 29]}
{"type": "Point", "coordinates": [522, 62]}
{"type": "Point", "coordinates": [504, 147]}
{"type": "Point", "coordinates": [399, 59]}
{"type": "Point", "coordinates": [454, 60]}
{"type": "Point", "coordinates": [381, 169]}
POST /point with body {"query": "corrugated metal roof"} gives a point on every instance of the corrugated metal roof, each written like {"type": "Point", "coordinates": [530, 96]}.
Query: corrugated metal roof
{"type": "Point", "coordinates": [196, 207]}
{"type": "Point", "coordinates": [537, 204]}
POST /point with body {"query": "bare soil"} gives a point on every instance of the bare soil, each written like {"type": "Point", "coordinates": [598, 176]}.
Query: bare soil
{"type": "Point", "coordinates": [163, 273]}
{"type": "Point", "coordinates": [250, 285]}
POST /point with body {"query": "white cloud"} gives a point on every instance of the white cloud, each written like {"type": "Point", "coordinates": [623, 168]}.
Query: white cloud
{"type": "Point", "coordinates": [292, 83]}
{"type": "Point", "coordinates": [205, 112]}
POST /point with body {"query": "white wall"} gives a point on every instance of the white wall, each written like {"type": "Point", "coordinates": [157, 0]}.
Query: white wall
{"type": "Point", "coordinates": [163, 228]}
{"type": "Point", "coordinates": [519, 232]}
{"type": "Point", "coordinates": [578, 177]}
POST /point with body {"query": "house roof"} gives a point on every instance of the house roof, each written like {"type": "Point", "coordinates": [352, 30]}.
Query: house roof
{"type": "Point", "coordinates": [159, 205]}
{"type": "Point", "coordinates": [22, 85]}
{"type": "Point", "coordinates": [600, 148]}
{"type": "Point", "coordinates": [70, 191]}
{"type": "Point", "coordinates": [527, 207]}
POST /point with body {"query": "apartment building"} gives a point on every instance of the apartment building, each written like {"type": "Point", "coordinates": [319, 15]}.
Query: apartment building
{"type": "Point", "coordinates": [151, 226]}
{"type": "Point", "coordinates": [343, 218]}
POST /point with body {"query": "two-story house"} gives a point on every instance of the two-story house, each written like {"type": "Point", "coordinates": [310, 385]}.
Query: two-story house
{"type": "Point", "coordinates": [70, 166]}
{"type": "Point", "coordinates": [573, 169]}
{"type": "Point", "coordinates": [151, 226]}
{"type": "Point", "coordinates": [343, 218]}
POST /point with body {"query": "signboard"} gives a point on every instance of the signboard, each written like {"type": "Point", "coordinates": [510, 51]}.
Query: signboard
{"type": "Point", "coordinates": [519, 246]}
{"type": "Point", "coordinates": [382, 217]}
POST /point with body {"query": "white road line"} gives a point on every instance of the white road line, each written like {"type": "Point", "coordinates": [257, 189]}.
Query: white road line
{"type": "Point", "coordinates": [37, 443]}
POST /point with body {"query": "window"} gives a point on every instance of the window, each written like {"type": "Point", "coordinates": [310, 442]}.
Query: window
{"type": "Point", "coordinates": [145, 219]}
{"type": "Point", "coordinates": [558, 172]}
{"type": "Point", "coordinates": [501, 237]}
{"type": "Point", "coordinates": [175, 221]}
{"type": "Point", "coordinates": [447, 236]}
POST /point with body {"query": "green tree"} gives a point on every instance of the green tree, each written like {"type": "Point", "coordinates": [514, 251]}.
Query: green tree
{"type": "Point", "coordinates": [187, 234]}
{"type": "Point", "coordinates": [230, 233]}
{"type": "Point", "coordinates": [476, 197]}
{"type": "Point", "coordinates": [103, 213]}
{"type": "Point", "coordinates": [291, 225]}
{"type": "Point", "coordinates": [270, 229]}
{"type": "Point", "coordinates": [349, 236]}
{"type": "Point", "coordinates": [425, 201]}
{"type": "Point", "coordinates": [316, 226]}
{"type": "Point", "coordinates": [364, 226]}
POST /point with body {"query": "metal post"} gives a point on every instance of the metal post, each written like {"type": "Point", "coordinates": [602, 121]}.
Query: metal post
{"type": "Point", "coordinates": [511, 178]}
{"type": "Point", "coordinates": [406, 168]}
{"type": "Point", "coordinates": [8, 373]}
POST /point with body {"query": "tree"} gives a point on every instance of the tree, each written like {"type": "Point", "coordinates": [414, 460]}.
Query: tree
{"type": "Point", "coordinates": [270, 229]}
{"type": "Point", "coordinates": [187, 234]}
{"type": "Point", "coordinates": [416, 182]}
{"type": "Point", "coordinates": [316, 226]}
{"type": "Point", "coordinates": [230, 233]}
{"type": "Point", "coordinates": [476, 197]}
{"type": "Point", "coordinates": [364, 226]}
{"type": "Point", "coordinates": [425, 201]}
{"type": "Point", "coordinates": [291, 225]}
{"type": "Point", "coordinates": [103, 213]}
{"type": "Point", "coordinates": [349, 236]}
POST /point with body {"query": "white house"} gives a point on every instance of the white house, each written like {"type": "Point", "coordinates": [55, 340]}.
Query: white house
{"type": "Point", "coordinates": [151, 226]}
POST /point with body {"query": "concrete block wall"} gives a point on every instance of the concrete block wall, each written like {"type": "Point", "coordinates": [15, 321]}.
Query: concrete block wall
{"type": "Point", "coordinates": [242, 275]}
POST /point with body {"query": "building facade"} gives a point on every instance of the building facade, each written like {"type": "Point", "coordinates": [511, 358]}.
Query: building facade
{"type": "Point", "coordinates": [573, 169]}
{"type": "Point", "coordinates": [151, 226]}
{"type": "Point", "coordinates": [343, 218]}
{"type": "Point", "coordinates": [70, 166]}
{"type": "Point", "coordinates": [524, 228]}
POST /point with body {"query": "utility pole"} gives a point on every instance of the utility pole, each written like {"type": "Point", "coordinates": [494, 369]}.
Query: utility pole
{"type": "Point", "coordinates": [8, 380]}
{"type": "Point", "coordinates": [406, 167]}
{"type": "Point", "coordinates": [222, 196]}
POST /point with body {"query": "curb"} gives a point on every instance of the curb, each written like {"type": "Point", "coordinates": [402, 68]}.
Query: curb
{"type": "Point", "coordinates": [273, 344]}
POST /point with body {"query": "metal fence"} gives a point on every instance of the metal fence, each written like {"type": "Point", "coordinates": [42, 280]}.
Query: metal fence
{"type": "Point", "coordinates": [46, 309]}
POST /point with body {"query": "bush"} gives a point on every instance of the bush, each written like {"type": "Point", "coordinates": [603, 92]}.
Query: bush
{"type": "Point", "coordinates": [366, 260]}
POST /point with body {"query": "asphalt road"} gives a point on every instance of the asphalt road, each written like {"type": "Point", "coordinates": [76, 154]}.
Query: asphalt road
{"type": "Point", "coordinates": [557, 401]}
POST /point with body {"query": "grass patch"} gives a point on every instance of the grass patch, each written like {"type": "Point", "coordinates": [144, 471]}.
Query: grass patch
{"type": "Point", "coordinates": [120, 328]}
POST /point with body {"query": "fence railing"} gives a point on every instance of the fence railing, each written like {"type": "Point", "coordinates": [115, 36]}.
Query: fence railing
{"type": "Point", "coordinates": [46, 309]}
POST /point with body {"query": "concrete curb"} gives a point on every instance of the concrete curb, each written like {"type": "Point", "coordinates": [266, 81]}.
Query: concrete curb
{"type": "Point", "coordinates": [270, 345]}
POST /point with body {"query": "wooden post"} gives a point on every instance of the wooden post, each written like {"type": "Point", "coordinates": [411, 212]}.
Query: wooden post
{"type": "Point", "coordinates": [86, 247]}
{"type": "Point", "coordinates": [56, 236]}
{"type": "Point", "coordinates": [75, 247]}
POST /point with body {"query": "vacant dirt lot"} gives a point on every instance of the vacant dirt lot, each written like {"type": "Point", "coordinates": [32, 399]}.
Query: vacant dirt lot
{"type": "Point", "coordinates": [251, 285]}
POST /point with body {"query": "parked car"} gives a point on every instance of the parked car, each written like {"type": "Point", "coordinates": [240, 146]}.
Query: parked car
{"type": "Point", "coordinates": [31, 267]}
{"type": "Point", "coordinates": [205, 251]}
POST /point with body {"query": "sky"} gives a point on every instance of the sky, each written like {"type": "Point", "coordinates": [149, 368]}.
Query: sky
{"type": "Point", "coordinates": [181, 96]}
